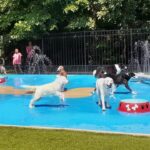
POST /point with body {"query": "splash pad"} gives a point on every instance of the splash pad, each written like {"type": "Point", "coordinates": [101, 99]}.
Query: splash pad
{"type": "Point", "coordinates": [76, 112]}
{"type": "Point", "coordinates": [72, 93]}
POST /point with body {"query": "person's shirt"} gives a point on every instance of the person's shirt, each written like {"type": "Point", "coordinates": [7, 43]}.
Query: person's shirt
{"type": "Point", "coordinates": [17, 58]}
{"type": "Point", "coordinates": [28, 49]}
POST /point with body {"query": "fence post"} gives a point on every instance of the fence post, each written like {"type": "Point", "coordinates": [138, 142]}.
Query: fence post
{"type": "Point", "coordinates": [84, 52]}
{"type": "Point", "coordinates": [131, 48]}
{"type": "Point", "coordinates": [1, 45]}
{"type": "Point", "coordinates": [42, 46]}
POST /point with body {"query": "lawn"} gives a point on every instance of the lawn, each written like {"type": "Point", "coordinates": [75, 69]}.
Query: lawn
{"type": "Point", "coordinates": [42, 139]}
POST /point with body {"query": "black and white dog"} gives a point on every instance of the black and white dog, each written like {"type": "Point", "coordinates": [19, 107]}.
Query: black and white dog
{"type": "Point", "coordinates": [110, 70]}
{"type": "Point", "coordinates": [117, 72]}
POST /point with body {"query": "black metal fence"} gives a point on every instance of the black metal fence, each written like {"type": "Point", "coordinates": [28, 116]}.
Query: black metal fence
{"type": "Point", "coordinates": [84, 51]}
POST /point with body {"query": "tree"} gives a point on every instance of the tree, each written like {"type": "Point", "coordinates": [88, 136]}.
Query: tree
{"type": "Point", "coordinates": [21, 18]}
{"type": "Point", "coordinates": [24, 18]}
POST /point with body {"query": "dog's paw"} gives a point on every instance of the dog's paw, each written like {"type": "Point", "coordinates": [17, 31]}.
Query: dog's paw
{"type": "Point", "coordinates": [112, 96]}
{"type": "Point", "coordinates": [93, 92]}
{"type": "Point", "coordinates": [31, 106]}
{"type": "Point", "coordinates": [133, 92]}
{"type": "Point", "coordinates": [62, 97]}
{"type": "Point", "coordinates": [23, 86]}
{"type": "Point", "coordinates": [103, 109]}
{"type": "Point", "coordinates": [108, 107]}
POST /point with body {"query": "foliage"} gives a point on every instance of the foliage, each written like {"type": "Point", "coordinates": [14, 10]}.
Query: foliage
{"type": "Point", "coordinates": [24, 18]}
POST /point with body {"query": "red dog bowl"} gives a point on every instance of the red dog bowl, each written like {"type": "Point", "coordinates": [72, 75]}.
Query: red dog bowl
{"type": "Point", "coordinates": [134, 106]}
{"type": "Point", "coordinates": [2, 80]}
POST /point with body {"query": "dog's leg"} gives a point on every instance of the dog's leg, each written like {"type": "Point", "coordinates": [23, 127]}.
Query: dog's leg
{"type": "Point", "coordinates": [103, 102]}
{"type": "Point", "coordinates": [102, 92]}
{"type": "Point", "coordinates": [36, 97]}
{"type": "Point", "coordinates": [117, 85]}
{"type": "Point", "coordinates": [60, 95]}
{"type": "Point", "coordinates": [93, 91]}
{"type": "Point", "coordinates": [107, 102]}
{"type": "Point", "coordinates": [113, 88]}
{"type": "Point", "coordinates": [99, 102]}
{"type": "Point", "coordinates": [31, 105]}
{"type": "Point", "coordinates": [99, 97]}
{"type": "Point", "coordinates": [127, 86]}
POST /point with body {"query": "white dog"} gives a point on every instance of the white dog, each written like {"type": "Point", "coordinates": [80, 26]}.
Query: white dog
{"type": "Point", "coordinates": [104, 88]}
{"type": "Point", "coordinates": [53, 88]}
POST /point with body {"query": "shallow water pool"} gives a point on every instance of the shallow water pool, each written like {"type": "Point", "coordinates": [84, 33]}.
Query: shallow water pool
{"type": "Point", "coordinates": [76, 113]}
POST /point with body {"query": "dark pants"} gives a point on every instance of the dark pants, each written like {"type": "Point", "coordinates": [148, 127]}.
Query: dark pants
{"type": "Point", "coordinates": [17, 67]}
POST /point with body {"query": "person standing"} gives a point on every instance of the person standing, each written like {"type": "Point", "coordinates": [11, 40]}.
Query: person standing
{"type": "Point", "coordinates": [2, 68]}
{"type": "Point", "coordinates": [28, 49]}
{"type": "Point", "coordinates": [17, 57]}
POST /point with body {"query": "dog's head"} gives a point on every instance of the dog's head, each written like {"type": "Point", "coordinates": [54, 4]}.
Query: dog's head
{"type": "Point", "coordinates": [99, 72]}
{"type": "Point", "coordinates": [131, 74]}
{"type": "Point", "coordinates": [109, 81]}
{"type": "Point", "coordinates": [61, 80]}
{"type": "Point", "coordinates": [60, 68]}
{"type": "Point", "coordinates": [120, 68]}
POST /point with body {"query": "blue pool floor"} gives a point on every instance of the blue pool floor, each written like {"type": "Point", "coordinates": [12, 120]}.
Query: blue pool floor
{"type": "Point", "coordinates": [75, 113]}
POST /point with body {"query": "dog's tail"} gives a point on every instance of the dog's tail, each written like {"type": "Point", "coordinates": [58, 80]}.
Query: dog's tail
{"type": "Point", "coordinates": [29, 87]}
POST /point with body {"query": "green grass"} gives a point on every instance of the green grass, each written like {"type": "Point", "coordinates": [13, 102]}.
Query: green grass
{"type": "Point", "coordinates": [12, 138]}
